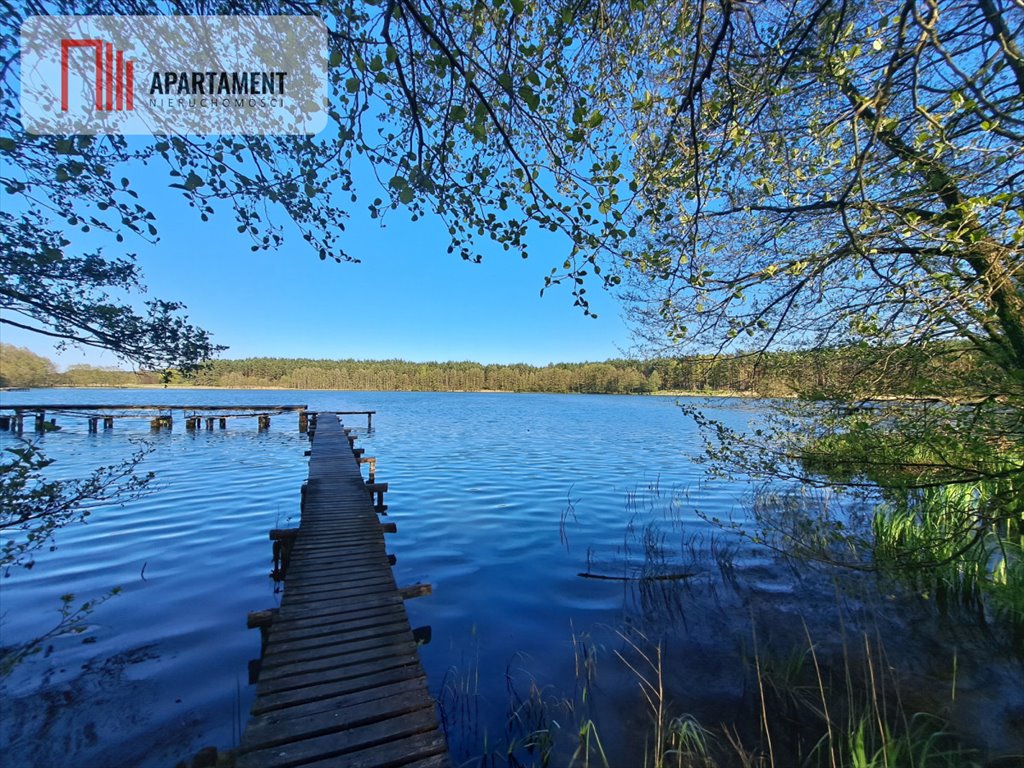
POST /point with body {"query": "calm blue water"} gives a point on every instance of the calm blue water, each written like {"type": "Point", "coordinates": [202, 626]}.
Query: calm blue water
{"type": "Point", "coordinates": [501, 501]}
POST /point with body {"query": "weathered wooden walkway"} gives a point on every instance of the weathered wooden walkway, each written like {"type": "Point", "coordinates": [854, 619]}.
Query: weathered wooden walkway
{"type": "Point", "coordinates": [340, 683]}
{"type": "Point", "coordinates": [161, 414]}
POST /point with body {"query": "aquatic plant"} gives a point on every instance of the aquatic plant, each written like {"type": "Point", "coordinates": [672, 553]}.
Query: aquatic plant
{"type": "Point", "coordinates": [950, 520]}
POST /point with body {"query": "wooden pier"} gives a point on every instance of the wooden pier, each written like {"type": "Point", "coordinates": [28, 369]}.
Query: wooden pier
{"type": "Point", "coordinates": [160, 416]}
{"type": "Point", "coordinates": [340, 682]}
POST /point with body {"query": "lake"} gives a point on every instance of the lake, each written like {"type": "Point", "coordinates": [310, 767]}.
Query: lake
{"type": "Point", "coordinates": [501, 502]}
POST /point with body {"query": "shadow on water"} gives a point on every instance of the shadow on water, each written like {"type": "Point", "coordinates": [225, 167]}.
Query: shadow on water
{"type": "Point", "coordinates": [84, 712]}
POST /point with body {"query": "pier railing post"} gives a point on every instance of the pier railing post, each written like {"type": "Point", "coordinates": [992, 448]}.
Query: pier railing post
{"type": "Point", "coordinates": [378, 489]}
{"type": "Point", "coordinates": [372, 462]}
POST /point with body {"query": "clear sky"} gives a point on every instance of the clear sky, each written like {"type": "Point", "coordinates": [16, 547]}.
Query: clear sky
{"type": "Point", "coordinates": [407, 299]}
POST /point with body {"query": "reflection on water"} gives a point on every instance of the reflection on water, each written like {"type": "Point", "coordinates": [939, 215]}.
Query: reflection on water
{"type": "Point", "coordinates": [501, 501]}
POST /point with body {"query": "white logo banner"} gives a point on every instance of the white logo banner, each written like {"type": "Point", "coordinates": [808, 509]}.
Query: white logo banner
{"type": "Point", "coordinates": [200, 75]}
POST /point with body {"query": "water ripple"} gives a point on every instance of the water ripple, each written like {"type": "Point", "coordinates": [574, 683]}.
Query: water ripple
{"type": "Point", "coordinates": [500, 500]}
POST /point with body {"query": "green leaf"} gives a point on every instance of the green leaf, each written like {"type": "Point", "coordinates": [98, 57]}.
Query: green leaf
{"type": "Point", "coordinates": [352, 85]}
{"type": "Point", "coordinates": [527, 94]}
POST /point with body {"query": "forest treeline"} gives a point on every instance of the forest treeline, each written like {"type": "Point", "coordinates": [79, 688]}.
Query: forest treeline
{"type": "Point", "coordinates": [946, 371]}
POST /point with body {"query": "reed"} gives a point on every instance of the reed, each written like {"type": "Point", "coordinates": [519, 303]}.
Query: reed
{"type": "Point", "coordinates": [947, 516]}
{"type": "Point", "coordinates": [944, 541]}
{"type": "Point", "coordinates": [837, 703]}
{"type": "Point", "coordinates": [814, 712]}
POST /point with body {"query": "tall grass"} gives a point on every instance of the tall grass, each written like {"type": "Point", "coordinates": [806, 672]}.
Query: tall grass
{"type": "Point", "coordinates": [837, 703]}
{"type": "Point", "coordinates": [947, 540]}
{"type": "Point", "coordinates": [950, 520]}
{"type": "Point", "coordinates": [671, 740]}
{"type": "Point", "coordinates": [812, 712]}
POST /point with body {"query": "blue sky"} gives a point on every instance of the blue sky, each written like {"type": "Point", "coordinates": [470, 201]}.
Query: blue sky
{"type": "Point", "coordinates": [407, 299]}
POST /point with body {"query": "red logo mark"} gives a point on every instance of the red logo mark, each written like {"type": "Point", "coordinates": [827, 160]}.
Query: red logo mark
{"type": "Point", "coordinates": [114, 74]}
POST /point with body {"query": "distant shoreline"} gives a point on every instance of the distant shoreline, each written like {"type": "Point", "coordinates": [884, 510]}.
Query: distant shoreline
{"type": "Point", "coordinates": [658, 393]}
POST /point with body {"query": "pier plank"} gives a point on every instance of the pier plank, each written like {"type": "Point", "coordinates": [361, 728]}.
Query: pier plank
{"type": "Point", "coordinates": [383, 742]}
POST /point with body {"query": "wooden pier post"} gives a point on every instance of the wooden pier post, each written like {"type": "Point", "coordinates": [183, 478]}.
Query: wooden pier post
{"type": "Point", "coordinates": [223, 422]}
{"type": "Point", "coordinates": [40, 425]}
{"type": "Point", "coordinates": [262, 620]}
{"type": "Point", "coordinates": [209, 422]}
{"type": "Point", "coordinates": [369, 421]}
{"type": "Point", "coordinates": [284, 540]}
{"type": "Point", "coordinates": [5, 422]}
{"type": "Point", "coordinates": [192, 423]}
{"type": "Point", "coordinates": [415, 590]}
{"type": "Point", "coordinates": [379, 489]}
{"type": "Point", "coordinates": [372, 461]}
{"type": "Point", "coordinates": [94, 423]}
{"type": "Point", "coordinates": [263, 421]}
{"type": "Point", "coordinates": [303, 421]}
{"type": "Point", "coordinates": [108, 422]}
{"type": "Point", "coordinates": [161, 422]}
